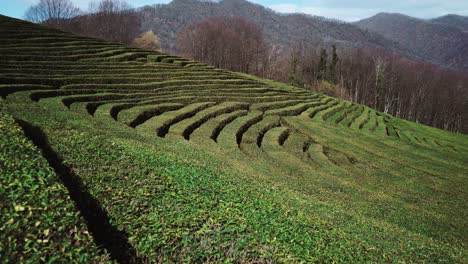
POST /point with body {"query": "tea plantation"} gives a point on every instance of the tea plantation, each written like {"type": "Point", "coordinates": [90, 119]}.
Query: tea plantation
{"type": "Point", "coordinates": [116, 154]}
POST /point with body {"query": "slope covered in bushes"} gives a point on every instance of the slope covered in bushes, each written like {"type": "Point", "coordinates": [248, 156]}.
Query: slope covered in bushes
{"type": "Point", "coordinates": [170, 160]}
{"type": "Point", "coordinates": [38, 220]}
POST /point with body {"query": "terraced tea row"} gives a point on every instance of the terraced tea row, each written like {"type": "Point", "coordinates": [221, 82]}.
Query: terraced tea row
{"type": "Point", "coordinates": [268, 101]}
{"type": "Point", "coordinates": [168, 160]}
{"type": "Point", "coordinates": [155, 88]}
{"type": "Point", "coordinates": [163, 95]}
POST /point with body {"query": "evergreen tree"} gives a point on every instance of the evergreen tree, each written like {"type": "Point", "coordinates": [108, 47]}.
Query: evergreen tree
{"type": "Point", "coordinates": [332, 67]}
{"type": "Point", "coordinates": [299, 79]}
{"type": "Point", "coordinates": [322, 73]}
{"type": "Point", "coordinates": [292, 74]}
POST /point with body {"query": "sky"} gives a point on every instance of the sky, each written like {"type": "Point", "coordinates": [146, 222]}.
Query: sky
{"type": "Point", "coordinates": [347, 10]}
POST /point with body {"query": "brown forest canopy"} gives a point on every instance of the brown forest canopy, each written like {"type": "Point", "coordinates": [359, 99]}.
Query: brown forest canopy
{"type": "Point", "coordinates": [232, 43]}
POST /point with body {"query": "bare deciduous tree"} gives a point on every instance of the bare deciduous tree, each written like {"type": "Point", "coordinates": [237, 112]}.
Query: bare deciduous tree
{"type": "Point", "coordinates": [380, 81]}
{"type": "Point", "coordinates": [113, 20]}
{"type": "Point", "coordinates": [52, 12]}
{"type": "Point", "coordinates": [232, 43]}
{"type": "Point", "coordinates": [412, 90]}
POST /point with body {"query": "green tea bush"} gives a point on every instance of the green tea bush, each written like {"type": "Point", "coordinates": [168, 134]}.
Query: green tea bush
{"type": "Point", "coordinates": [38, 220]}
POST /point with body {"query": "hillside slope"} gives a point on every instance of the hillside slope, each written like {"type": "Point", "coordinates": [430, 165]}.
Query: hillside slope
{"type": "Point", "coordinates": [280, 29]}
{"type": "Point", "coordinates": [460, 22]}
{"type": "Point", "coordinates": [437, 43]}
{"type": "Point", "coordinates": [175, 161]}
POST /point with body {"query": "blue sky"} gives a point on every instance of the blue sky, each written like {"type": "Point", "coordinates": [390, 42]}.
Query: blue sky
{"type": "Point", "coordinates": [348, 10]}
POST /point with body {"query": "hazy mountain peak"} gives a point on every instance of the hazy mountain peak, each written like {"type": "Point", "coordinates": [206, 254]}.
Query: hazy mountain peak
{"type": "Point", "coordinates": [392, 16]}
{"type": "Point", "coordinates": [436, 42]}
{"type": "Point", "coordinates": [460, 22]}
{"type": "Point", "coordinates": [452, 16]}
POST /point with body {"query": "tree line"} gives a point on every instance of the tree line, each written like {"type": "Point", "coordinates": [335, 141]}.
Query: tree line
{"type": "Point", "coordinates": [380, 79]}
{"type": "Point", "coordinates": [111, 20]}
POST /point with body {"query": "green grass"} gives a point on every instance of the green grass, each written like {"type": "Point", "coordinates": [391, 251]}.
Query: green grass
{"type": "Point", "coordinates": [207, 165]}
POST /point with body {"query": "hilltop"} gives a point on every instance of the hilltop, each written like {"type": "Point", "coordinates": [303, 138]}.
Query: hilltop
{"type": "Point", "coordinates": [460, 22]}
{"type": "Point", "coordinates": [437, 43]}
{"type": "Point", "coordinates": [117, 154]}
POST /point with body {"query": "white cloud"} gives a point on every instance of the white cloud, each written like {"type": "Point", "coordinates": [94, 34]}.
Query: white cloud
{"type": "Point", "coordinates": [285, 8]}
{"type": "Point", "coordinates": [345, 14]}
{"type": "Point", "coordinates": [353, 10]}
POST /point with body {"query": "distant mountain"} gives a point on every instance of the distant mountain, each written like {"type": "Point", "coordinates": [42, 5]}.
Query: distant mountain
{"type": "Point", "coordinates": [437, 43]}
{"type": "Point", "coordinates": [282, 29]}
{"type": "Point", "coordinates": [440, 41]}
{"type": "Point", "coordinates": [460, 22]}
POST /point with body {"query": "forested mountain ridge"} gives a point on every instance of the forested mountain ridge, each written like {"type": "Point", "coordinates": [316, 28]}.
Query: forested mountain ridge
{"type": "Point", "coordinates": [287, 30]}
{"type": "Point", "coordinates": [437, 43]}
{"type": "Point", "coordinates": [460, 22]}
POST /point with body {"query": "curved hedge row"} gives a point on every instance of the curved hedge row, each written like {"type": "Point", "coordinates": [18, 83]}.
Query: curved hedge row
{"type": "Point", "coordinates": [267, 173]}
{"type": "Point", "coordinates": [38, 220]}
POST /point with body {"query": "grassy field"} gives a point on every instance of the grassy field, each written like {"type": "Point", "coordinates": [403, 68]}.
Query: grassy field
{"type": "Point", "coordinates": [114, 154]}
